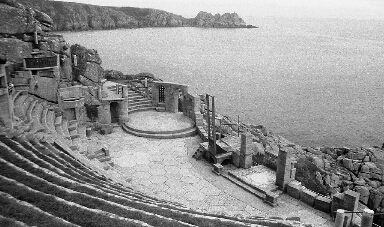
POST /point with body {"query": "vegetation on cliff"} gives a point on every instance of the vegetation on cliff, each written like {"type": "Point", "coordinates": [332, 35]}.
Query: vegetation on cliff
{"type": "Point", "coordinates": [69, 16]}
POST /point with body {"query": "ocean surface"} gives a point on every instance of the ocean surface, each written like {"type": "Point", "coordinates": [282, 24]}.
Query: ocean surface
{"type": "Point", "coordinates": [316, 82]}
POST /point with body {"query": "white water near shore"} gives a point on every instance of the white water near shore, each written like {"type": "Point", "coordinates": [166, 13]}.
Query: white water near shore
{"type": "Point", "coordinates": [314, 81]}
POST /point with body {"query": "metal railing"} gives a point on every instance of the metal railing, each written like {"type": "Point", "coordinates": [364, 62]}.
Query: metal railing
{"type": "Point", "coordinates": [40, 62]}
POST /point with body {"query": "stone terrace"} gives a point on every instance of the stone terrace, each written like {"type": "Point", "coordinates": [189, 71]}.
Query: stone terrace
{"type": "Point", "coordinates": [166, 169]}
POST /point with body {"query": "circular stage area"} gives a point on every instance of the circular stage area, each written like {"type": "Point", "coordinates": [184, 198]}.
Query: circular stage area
{"type": "Point", "coordinates": [160, 125]}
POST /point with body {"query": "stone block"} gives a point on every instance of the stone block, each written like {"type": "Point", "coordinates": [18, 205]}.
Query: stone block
{"type": "Point", "coordinates": [294, 189]}
{"type": "Point", "coordinates": [246, 147]}
{"type": "Point", "coordinates": [351, 200]}
{"type": "Point", "coordinates": [322, 203]}
{"type": "Point", "coordinates": [236, 159]}
{"type": "Point", "coordinates": [271, 199]}
{"type": "Point", "coordinates": [246, 161]}
{"type": "Point", "coordinates": [347, 163]}
{"type": "Point", "coordinates": [106, 129]}
{"type": "Point", "coordinates": [308, 197]}
{"type": "Point", "coordinates": [258, 148]}
{"type": "Point", "coordinates": [217, 168]}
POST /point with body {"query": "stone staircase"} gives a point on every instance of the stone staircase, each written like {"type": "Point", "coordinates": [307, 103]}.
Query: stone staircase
{"type": "Point", "coordinates": [137, 102]}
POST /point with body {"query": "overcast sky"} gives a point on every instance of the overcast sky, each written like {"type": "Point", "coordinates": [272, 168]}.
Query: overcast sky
{"type": "Point", "coordinates": [352, 9]}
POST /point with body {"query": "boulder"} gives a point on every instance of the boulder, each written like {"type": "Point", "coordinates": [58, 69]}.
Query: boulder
{"type": "Point", "coordinates": [93, 72]}
{"type": "Point", "coordinates": [364, 193]}
{"type": "Point", "coordinates": [359, 181]}
{"type": "Point", "coordinates": [319, 178]}
{"type": "Point", "coordinates": [347, 163]}
{"type": "Point", "coordinates": [375, 199]}
{"type": "Point", "coordinates": [16, 20]}
{"type": "Point", "coordinates": [113, 74]}
{"type": "Point", "coordinates": [16, 49]}
{"type": "Point", "coordinates": [318, 162]}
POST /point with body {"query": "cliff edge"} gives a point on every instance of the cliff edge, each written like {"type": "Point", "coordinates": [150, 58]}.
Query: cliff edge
{"type": "Point", "coordinates": [69, 16]}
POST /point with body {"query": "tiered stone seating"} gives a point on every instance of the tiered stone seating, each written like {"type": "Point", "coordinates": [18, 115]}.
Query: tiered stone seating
{"type": "Point", "coordinates": [40, 177]}
{"type": "Point", "coordinates": [19, 109]}
{"type": "Point", "coordinates": [43, 182]}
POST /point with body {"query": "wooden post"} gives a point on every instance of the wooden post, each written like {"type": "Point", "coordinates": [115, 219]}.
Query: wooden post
{"type": "Point", "coordinates": [208, 119]}
{"type": "Point", "coordinates": [214, 125]}
{"type": "Point", "coordinates": [238, 125]}
{"type": "Point", "coordinates": [36, 39]}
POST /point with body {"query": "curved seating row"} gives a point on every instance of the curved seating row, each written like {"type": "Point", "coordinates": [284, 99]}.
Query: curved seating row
{"type": "Point", "coordinates": [45, 181]}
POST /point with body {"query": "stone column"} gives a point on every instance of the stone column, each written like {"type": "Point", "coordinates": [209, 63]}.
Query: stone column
{"type": "Point", "coordinates": [283, 174]}
{"type": "Point", "coordinates": [340, 215]}
{"type": "Point", "coordinates": [123, 111]}
{"type": "Point", "coordinates": [367, 219]}
{"type": "Point", "coordinates": [155, 94]}
{"type": "Point", "coordinates": [104, 113]}
{"type": "Point", "coordinates": [246, 151]}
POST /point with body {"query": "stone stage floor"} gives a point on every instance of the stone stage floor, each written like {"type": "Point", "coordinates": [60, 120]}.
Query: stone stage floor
{"type": "Point", "coordinates": [165, 168]}
{"type": "Point", "coordinates": [158, 121]}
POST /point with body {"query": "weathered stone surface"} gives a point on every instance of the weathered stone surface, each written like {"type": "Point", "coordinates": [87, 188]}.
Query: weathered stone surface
{"type": "Point", "coordinates": [308, 197]}
{"type": "Point", "coordinates": [16, 50]}
{"type": "Point", "coordinates": [323, 204]}
{"type": "Point", "coordinates": [347, 163]}
{"type": "Point", "coordinates": [93, 72]}
{"type": "Point", "coordinates": [18, 19]}
{"type": "Point", "coordinates": [364, 193]}
{"type": "Point", "coordinates": [227, 20]}
{"type": "Point", "coordinates": [374, 199]}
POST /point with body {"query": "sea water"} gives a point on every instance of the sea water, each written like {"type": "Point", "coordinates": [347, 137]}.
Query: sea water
{"type": "Point", "coordinates": [316, 82]}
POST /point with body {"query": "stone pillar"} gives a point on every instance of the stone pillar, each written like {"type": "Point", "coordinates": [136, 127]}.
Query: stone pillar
{"type": "Point", "coordinates": [123, 111]}
{"type": "Point", "coordinates": [155, 94]}
{"type": "Point", "coordinates": [351, 200]}
{"type": "Point", "coordinates": [175, 102]}
{"type": "Point", "coordinates": [340, 215]}
{"type": "Point", "coordinates": [125, 91]}
{"type": "Point", "coordinates": [104, 113]}
{"type": "Point", "coordinates": [283, 174]}
{"type": "Point", "coordinates": [367, 219]}
{"type": "Point", "coordinates": [246, 151]}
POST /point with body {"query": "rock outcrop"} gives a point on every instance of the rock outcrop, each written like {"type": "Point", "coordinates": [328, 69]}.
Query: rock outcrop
{"type": "Point", "coordinates": [68, 16]}
{"type": "Point", "coordinates": [227, 20]}
{"type": "Point", "coordinates": [23, 29]}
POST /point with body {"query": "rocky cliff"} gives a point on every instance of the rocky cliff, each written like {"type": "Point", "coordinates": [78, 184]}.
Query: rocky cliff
{"type": "Point", "coordinates": [68, 16]}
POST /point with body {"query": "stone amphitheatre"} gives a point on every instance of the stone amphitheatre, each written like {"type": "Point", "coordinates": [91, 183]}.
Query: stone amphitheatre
{"type": "Point", "coordinates": [84, 146]}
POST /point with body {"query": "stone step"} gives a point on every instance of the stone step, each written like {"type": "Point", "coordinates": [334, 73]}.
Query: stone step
{"type": "Point", "coordinates": [137, 98]}
{"type": "Point", "coordinates": [29, 110]}
{"type": "Point", "coordinates": [244, 186]}
{"type": "Point", "coordinates": [51, 120]}
{"type": "Point", "coordinates": [72, 125]}
{"type": "Point", "coordinates": [28, 213]}
{"type": "Point", "coordinates": [43, 119]}
{"type": "Point", "coordinates": [82, 130]}
{"type": "Point", "coordinates": [134, 104]}
{"type": "Point", "coordinates": [186, 133]}
{"type": "Point", "coordinates": [74, 134]}
{"type": "Point", "coordinates": [58, 120]}
{"type": "Point", "coordinates": [145, 108]}
{"type": "Point", "coordinates": [65, 129]}
{"type": "Point", "coordinates": [6, 221]}
{"type": "Point", "coordinates": [27, 103]}
{"type": "Point", "coordinates": [19, 106]}
{"type": "Point", "coordinates": [38, 111]}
